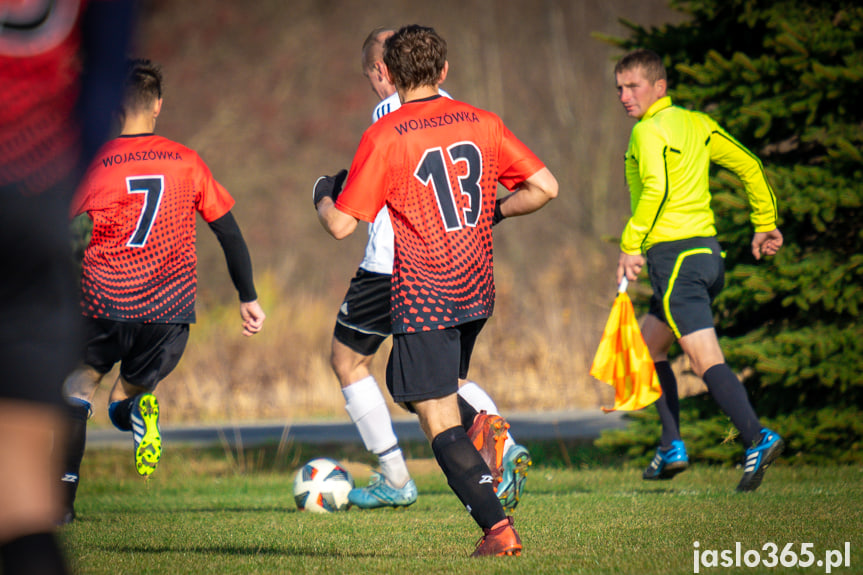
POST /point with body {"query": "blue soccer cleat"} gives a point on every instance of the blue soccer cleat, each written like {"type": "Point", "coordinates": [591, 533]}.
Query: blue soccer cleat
{"type": "Point", "coordinates": [668, 462]}
{"type": "Point", "coordinates": [379, 493]}
{"type": "Point", "coordinates": [146, 436]}
{"type": "Point", "coordinates": [515, 465]}
{"type": "Point", "coordinates": [758, 459]}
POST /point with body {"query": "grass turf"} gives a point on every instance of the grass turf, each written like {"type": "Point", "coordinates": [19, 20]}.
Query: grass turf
{"type": "Point", "coordinates": [206, 511]}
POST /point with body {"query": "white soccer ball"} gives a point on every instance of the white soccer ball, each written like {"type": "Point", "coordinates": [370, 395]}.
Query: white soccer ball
{"type": "Point", "coordinates": [322, 485]}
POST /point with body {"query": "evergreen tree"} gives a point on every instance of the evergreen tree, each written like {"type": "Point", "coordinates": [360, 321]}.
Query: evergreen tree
{"type": "Point", "coordinates": [786, 79]}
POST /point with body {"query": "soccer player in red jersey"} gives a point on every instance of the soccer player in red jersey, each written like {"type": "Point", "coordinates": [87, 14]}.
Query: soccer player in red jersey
{"type": "Point", "coordinates": [61, 70]}
{"type": "Point", "coordinates": [362, 325]}
{"type": "Point", "coordinates": [435, 164]}
{"type": "Point", "coordinates": [142, 193]}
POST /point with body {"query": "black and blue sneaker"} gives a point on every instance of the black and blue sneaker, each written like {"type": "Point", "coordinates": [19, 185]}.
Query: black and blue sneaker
{"type": "Point", "coordinates": [668, 462]}
{"type": "Point", "coordinates": [758, 459]}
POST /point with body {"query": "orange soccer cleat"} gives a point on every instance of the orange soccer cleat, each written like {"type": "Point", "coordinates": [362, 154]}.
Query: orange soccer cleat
{"type": "Point", "coordinates": [488, 434]}
{"type": "Point", "coordinates": [500, 539]}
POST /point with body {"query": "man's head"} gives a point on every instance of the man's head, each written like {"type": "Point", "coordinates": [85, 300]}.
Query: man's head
{"type": "Point", "coordinates": [415, 57]}
{"type": "Point", "coordinates": [373, 62]}
{"type": "Point", "coordinates": [143, 86]}
{"type": "Point", "coordinates": [641, 81]}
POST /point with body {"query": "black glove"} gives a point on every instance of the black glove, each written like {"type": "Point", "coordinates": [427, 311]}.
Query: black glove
{"type": "Point", "coordinates": [498, 216]}
{"type": "Point", "coordinates": [329, 187]}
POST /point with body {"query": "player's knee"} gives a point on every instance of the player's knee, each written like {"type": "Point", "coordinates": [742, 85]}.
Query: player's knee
{"type": "Point", "coordinates": [81, 384]}
{"type": "Point", "coordinates": [349, 366]}
{"type": "Point", "coordinates": [336, 362]}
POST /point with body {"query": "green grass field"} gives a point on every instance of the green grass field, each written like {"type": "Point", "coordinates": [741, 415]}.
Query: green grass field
{"type": "Point", "coordinates": [211, 511]}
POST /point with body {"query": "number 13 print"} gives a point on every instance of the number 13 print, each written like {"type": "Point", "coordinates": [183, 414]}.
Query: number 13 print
{"type": "Point", "coordinates": [432, 170]}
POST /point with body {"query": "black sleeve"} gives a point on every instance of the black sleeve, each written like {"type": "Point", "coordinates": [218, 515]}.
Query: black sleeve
{"type": "Point", "coordinates": [236, 255]}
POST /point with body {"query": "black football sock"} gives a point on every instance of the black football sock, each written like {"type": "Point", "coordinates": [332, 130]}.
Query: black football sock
{"type": "Point", "coordinates": [731, 396]}
{"type": "Point", "coordinates": [468, 476]}
{"type": "Point", "coordinates": [76, 441]}
{"type": "Point", "coordinates": [120, 412]}
{"type": "Point", "coordinates": [37, 554]}
{"type": "Point", "coordinates": [668, 404]}
{"type": "Point", "coordinates": [467, 412]}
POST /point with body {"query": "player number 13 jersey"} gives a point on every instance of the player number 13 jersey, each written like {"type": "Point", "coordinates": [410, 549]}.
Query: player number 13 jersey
{"type": "Point", "coordinates": [435, 164]}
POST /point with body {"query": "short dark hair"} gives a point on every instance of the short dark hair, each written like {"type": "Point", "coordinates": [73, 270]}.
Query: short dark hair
{"type": "Point", "coordinates": [648, 60]}
{"type": "Point", "coordinates": [143, 85]}
{"type": "Point", "coordinates": [415, 56]}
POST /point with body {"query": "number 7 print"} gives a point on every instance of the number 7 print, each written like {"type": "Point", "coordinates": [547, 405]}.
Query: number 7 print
{"type": "Point", "coordinates": [152, 187]}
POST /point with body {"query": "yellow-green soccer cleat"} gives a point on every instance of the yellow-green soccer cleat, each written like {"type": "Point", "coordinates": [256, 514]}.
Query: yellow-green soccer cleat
{"type": "Point", "coordinates": [145, 433]}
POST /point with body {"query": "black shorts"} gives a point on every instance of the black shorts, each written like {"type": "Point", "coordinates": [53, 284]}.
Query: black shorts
{"type": "Point", "coordinates": [40, 320]}
{"type": "Point", "coordinates": [364, 320]}
{"type": "Point", "coordinates": [147, 352]}
{"type": "Point", "coordinates": [428, 364]}
{"type": "Point", "coordinates": [686, 276]}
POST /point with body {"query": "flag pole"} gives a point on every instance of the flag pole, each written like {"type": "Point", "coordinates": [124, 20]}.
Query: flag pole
{"type": "Point", "coordinates": [624, 283]}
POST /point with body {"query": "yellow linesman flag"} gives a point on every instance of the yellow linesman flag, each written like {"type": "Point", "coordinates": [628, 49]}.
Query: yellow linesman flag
{"type": "Point", "coordinates": [623, 360]}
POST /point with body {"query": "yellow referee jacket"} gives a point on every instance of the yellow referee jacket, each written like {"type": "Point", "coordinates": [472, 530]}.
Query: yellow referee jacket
{"type": "Point", "coordinates": [667, 171]}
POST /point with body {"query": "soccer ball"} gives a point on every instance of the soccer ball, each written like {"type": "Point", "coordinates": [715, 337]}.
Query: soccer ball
{"type": "Point", "coordinates": [322, 486]}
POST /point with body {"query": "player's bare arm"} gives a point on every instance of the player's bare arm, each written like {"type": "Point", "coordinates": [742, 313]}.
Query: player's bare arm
{"type": "Point", "coordinates": [339, 224]}
{"type": "Point", "coordinates": [324, 193]}
{"type": "Point", "coordinates": [531, 195]}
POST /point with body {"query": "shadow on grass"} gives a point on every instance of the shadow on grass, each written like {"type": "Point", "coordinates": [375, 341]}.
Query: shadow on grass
{"type": "Point", "coordinates": [239, 550]}
{"type": "Point", "coordinates": [87, 518]}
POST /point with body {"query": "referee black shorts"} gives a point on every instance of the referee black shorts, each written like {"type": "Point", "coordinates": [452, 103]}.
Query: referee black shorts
{"type": "Point", "coordinates": [147, 352]}
{"type": "Point", "coordinates": [364, 320]}
{"type": "Point", "coordinates": [428, 364]}
{"type": "Point", "coordinates": [686, 276]}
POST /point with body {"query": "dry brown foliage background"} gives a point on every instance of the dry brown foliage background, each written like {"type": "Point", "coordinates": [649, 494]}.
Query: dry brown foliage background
{"type": "Point", "coordinates": [270, 93]}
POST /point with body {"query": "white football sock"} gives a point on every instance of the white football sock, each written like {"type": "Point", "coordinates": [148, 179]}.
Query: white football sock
{"type": "Point", "coordinates": [476, 396]}
{"type": "Point", "coordinates": [368, 410]}
{"type": "Point", "coordinates": [394, 468]}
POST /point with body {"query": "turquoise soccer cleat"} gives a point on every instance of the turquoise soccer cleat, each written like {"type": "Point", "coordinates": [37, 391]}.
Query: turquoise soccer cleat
{"type": "Point", "coordinates": [516, 463]}
{"type": "Point", "coordinates": [379, 493]}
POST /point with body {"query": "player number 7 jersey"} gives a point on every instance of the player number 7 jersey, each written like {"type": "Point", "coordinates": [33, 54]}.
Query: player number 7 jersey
{"type": "Point", "coordinates": [143, 194]}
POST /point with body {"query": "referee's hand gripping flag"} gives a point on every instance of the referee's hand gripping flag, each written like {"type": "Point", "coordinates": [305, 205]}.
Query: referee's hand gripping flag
{"type": "Point", "coordinates": [623, 360]}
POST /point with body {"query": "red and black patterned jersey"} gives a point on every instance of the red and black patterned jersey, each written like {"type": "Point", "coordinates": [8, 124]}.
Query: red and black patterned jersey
{"type": "Point", "coordinates": [435, 163]}
{"type": "Point", "coordinates": [142, 193]}
{"type": "Point", "coordinates": [39, 76]}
